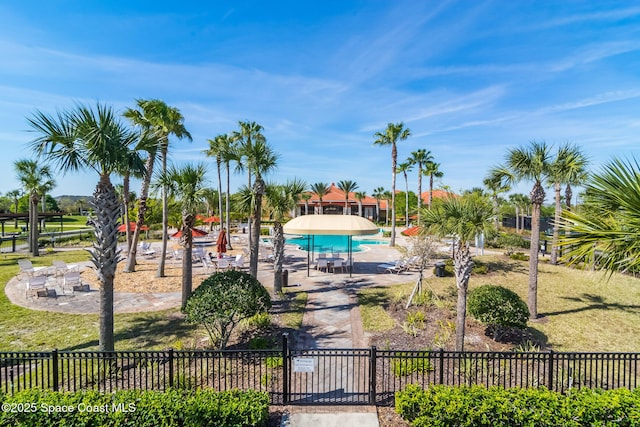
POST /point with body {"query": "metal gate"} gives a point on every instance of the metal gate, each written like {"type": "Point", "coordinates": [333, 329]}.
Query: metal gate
{"type": "Point", "coordinates": [328, 377]}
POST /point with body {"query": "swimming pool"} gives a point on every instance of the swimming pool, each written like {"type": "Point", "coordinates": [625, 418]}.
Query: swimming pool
{"type": "Point", "coordinates": [332, 243]}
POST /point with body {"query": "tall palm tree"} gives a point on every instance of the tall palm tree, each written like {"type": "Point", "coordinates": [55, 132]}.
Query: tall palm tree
{"type": "Point", "coordinates": [378, 194]}
{"type": "Point", "coordinates": [531, 163]}
{"type": "Point", "coordinates": [420, 157]}
{"type": "Point", "coordinates": [217, 148]}
{"type": "Point", "coordinates": [432, 170]}
{"type": "Point", "coordinates": [360, 196]}
{"type": "Point", "coordinates": [33, 176]}
{"type": "Point", "coordinates": [320, 189]}
{"type": "Point", "coordinates": [392, 134]}
{"type": "Point", "coordinates": [386, 196]}
{"type": "Point", "coordinates": [464, 217]}
{"type": "Point", "coordinates": [306, 197]}
{"type": "Point", "coordinates": [347, 186]}
{"type": "Point", "coordinates": [603, 234]}
{"type": "Point", "coordinates": [280, 200]}
{"type": "Point", "coordinates": [187, 186]}
{"type": "Point", "coordinates": [569, 163]}
{"type": "Point", "coordinates": [161, 120]}
{"type": "Point", "coordinates": [496, 185]}
{"type": "Point", "coordinates": [520, 202]}
{"type": "Point", "coordinates": [405, 167]}
{"type": "Point", "coordinates": [15, 195]}
{"type": "Point", "coordinates": [91, 138]}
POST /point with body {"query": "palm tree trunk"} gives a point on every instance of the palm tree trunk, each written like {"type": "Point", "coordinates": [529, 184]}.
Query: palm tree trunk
{"type": "Point", "coordinates": [228, 210]}
{"type": "Point", "coordinates": [278, 257]}
{"type": "Point", "coordinates": [462, 264]}
{"type": "Point", "coordinates": [165, 217]}
{"type": "Point", "coordinates": [35, 250]}
{"type": "Point", "coordinates": [105, 255]}
{"type": "Point", "coordinates": [254, 238]}
{"type": "Point", "coordinates": [430, 190]}
{"type": "Point", "coordinates": [125, 208]}
{"type": "Point", "coordinates": [568, 194]}
{"type": "Point", "coordinates": [556, 225]}
{"type": "Point", "coordinates": [532, 297]}
{"type": "Point", "coordinates": [406, 201]}
{"type": "Point", "coordinates": [419, 190]}
{"type": "Point", "coordinates": [142, 212]}
{"type": "Point", "coordinates": [187, 261]}
{"type": "Point", "coordinates": [220, 195]}
{"type": "Point", "coordinates": [394, 159]}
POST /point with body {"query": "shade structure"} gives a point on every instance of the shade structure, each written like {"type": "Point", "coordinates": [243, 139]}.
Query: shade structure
{"type": "Point", "coordinates": [132, 226]}
{"type": "Point", "coordinates": [195, 232]}
{"type": "Point", "coordinates": [412, 231]}
{"type": "Point", "coordinates": [336, 225]}
{"type": "Point", "coordinates": [211, 219]}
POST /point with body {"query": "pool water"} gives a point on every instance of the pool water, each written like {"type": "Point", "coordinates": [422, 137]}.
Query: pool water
{"type": "Point", "coordinates": [326, 244]}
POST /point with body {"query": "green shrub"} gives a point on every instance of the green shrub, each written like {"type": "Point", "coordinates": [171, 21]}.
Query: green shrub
{"type": "Point", "coordinates": [274, 362]}
{"type": "Point", "coordinates": [479, 268]}
{"type": "Point", "coordinates": [508, 241]}
{"type": "Point", "coordinates": [137, 408]}
{"type": "Point", "coordinates": [407, 363]}
{"type": "Point", "coordinates": [519, 256]}
{"type": "Point", "coordinates": [262, 343]}
{"type": "Point", "coordinates": [478, 406]}
{"type": "Point", "coordinates": [498, 308]}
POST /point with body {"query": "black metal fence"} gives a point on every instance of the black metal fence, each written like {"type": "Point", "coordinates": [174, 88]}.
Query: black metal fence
{"type": "Point", "coordinates": [314, 376]}
{"type": "Point", "coordinates": [16, 242]}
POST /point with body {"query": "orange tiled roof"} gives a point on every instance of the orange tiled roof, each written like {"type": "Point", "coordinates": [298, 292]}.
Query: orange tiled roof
{"type": "Point", "coordinates": [336, 196]}
{"type": "Point", "coordinates": [437, 194]}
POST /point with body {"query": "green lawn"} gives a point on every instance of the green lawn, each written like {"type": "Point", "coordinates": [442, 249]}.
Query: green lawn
{"type": "Point", "coordinates": [24, 329]}
{"type": "Point", "coordinates": [581, 310]}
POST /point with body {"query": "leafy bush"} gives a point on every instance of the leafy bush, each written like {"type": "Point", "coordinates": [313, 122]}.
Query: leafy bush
{"type": "Point", "coordinates": [498, 308]}
{"type": "Point", "coordinates": [519, 256]}
{"type": "Point", "coordinates": [478, 406]}
{"type": "Point", "coordinates": [479, 268]}
{"type": "Point", "coordinates": [407, 363]}
{"type": "Point", "coordinates": [508, 241]}
{"type": "Point", "coordinates": [135, 408]}
{"type": "Point", "coordinates": [223, 300]}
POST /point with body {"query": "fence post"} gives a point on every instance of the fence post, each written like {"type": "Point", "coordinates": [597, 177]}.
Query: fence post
{"type": "Point", "coordinates": [285, 368]}
{"type": "Point", "coordinates": [171, 368]}
{"type": "Point", "coordinates": [372, 376]}
{"type": "Point", "coordinates": [13, 243]}
{"type": "Point", "coordinates": [54, 362]}
{"type": "Point", "coordinates": [550, 373]}
{"type": "Point", "coordinates": [441, 365]}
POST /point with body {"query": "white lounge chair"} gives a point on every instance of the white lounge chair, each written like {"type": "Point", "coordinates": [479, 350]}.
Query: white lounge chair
{"type": "Point", "coordinates": [61, 267]}
{"type": "Point", "coordinates": [27, 269]}
{"type": "Point", "coordinates": [396, 267]}
{"type": "Point", "coordinates": [223, 264]}
{"type": "Point", "coordinates": [35, 284]}
{"type": "Point", "coordinates": [337, 264]}
{"type": "Point", "coordinates": [71, 280]}
{"type": "Point", "coordinates": [147, 250]}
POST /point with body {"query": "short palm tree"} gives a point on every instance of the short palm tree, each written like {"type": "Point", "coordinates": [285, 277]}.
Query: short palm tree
{"type": "Point", "coordinates": [568, 164]}
{"type": "Point", "coordinates": [15, 195]}
{"type": "Point", "coordinates": [305, 197]}
{"type": "Point", "coordinates": [320, 189]}
{"type": "Point", "coordinates": [392, 134]}
{"type": "Point", "coordinates": [420, 157]}
{"type": "Point", "coordinates": [360, 196]}
{"type": "Point", "coordinates": [432, 170]}
{"type": "Point", "coordinates": [378, 194]}
{"type": "Point", "coordinates": [280, 200]}
{"type": "Point", "coordinates": [405, 167]}
{"type": "Point", "coordinates": [347, 186]}
{"type": "Point", "coordinates": [531, 163]}
{"type": "Point", "coordinates": [94, 139]}
{"type": "Point", "coordinates": [187, 186]}
{"type": "Point", "coordinates": [463, 217]}
{"type": "Point", "coordinates": [496, 185]}
{"type": "Point", "coordinates": [603, 233]}
{"type": "Point", "coordinates": [33, 176]}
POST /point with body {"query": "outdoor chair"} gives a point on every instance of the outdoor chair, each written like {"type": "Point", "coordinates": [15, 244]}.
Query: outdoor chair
{"type": "Point", "coordinates": [27, 269]}
{"type": "Point", "coordinates": [223, 264]}
{"type": "Point", "coordinates": [208, 265]}
{"type": "Point", "coordinates": [239, 262]}
{"type": "Point", "coordinates": [322, 263]}
{"type": "Point", "coordinates": [34, 285]}
{"type": "Point", "coordinates": [72, 281]}
{"type": "Point", "coordinates": [397, 267]}
{"type": "Point", "coordinates": [348, 264]}
{"type": "Point", "coordinates": [337, 264]}
{"type": "Point", "coordinates": [61, 267]}
{"type": "Point", "coordinates": [147, 250]}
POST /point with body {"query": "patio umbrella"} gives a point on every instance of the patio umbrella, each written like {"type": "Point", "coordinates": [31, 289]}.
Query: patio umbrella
{"type": "Point", "coordinates": [195, 232]}
{"type": "Point", "coordinates": [211, 219]}
{"type": "Point", "coordinates": [412, 231]}
{"type": "Point", "coordinates": [221, 243]}
{"type": "Point", "coordinates": [132, 226]}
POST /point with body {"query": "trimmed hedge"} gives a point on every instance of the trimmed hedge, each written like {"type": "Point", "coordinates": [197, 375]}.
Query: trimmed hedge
{"type": "Point", "coordinates": [478, 406]}
{"type": "Point", "coordinates": [135, 408]}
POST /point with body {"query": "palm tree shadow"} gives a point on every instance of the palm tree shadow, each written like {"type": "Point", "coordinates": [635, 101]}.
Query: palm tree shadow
{"type": "Point", "coordinates": [594, 302]}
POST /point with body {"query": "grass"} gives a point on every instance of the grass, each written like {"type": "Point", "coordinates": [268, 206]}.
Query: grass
{"type": "Point", "coordinates": [293, 317]}
{"type": "Point", "coordinates": [580, 310]}
{"type": "Point", "coordinates": [25, 329]}
{"type": "Point", "coordinates": [69, 222]}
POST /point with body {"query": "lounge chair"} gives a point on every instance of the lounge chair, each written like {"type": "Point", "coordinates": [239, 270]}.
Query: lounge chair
{"type": "Point", "coordinates": [34, 285]}
{"type": "Point", "coordinates": [239, 262]}
{"type": "Point", "coordinates": [147, 250]}
{"type": "Point", "coordinates": [27, 269]}
{"type": "Point", "coordinates": [72, 280]}
{"type": "Point", "coordinates": [223, 264]}
{"type": "Point", "coordinates": [397, 267]}
{"type": "Point", "coordinates": [61, 268]}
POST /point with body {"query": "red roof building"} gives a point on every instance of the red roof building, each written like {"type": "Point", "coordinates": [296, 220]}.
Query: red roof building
{"type": "Point", "coordinates": [334, 203]}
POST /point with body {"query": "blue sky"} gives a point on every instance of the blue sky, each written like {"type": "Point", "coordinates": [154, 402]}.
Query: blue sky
{"type": "Point", "coordinates": [471, 79]}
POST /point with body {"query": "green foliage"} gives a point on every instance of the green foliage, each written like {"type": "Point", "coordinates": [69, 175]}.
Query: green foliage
{"type": "Point", "coordinates": [407, 363]}
{"type": "Point", "coordinates": [136, 408]}
{"type": "Point", "coordinates": [508, 241]}
{"type": "Point", "coordinates": [223, 300]}
{"type": "Point", "coordinates": [274, 362]}
{"type": "Point", "coordinates": [479, 268]}
{"type": "Point", "coordinates": [260, 321]}
{"type": "Point", "coordinates": [262, 343]}
{"type": "Point", "coordinates": [386, 233]}
{"type": "Point", "coordinates": [519, 256]}
{"type": "Point", "coordinates": [498, 308]}
{"type": "Point", "coordinates": [478, 406]}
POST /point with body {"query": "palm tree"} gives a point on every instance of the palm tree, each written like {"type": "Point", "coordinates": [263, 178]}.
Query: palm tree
{"type": "Point", "coordinates": [405, 167]}
{"type": "Point", "coordinates": [280, 200]}
{"type": "Point", "coordinates": [261, 159]}
{"type": "Point", "coordinates": [496, 185]}
{"type": "Point", "coordinates": [306, 197]}
{"type": "Point", "coordinates": [530, 163]}
{"type": "Point", "coordinates": [33, 177]}
{"type": "Point", "coordinates": [15, 195]}
{"type": "Point", "coordinates": [320, 189]}
{"type": "Point", "coordinates": [347, 186]}
{"type": "Point", "coordinates": [464, 217]}
{"type": "Point", "coordinates": [230, 153]}
{"type": "Point", "coordinates": [602, 234]}
{"type": "Point", "coordinates": [392, 134]}
{"type": "Point", "coordinates": [360, 196]}
{"type": "Point", "coordinates": [217, 148]}
{"type": "Point", "coordinates": [161, 120]}
{"type": "Point", "coordinates": [432, 170]}
{"type": "Point", "coordinates": [378, 194]}
{"type": "Point", "coordinates": [520, 201]}
{"type": "Point", "coordinates": [420, 157]}
{"type": "Point", "coordinates": [187, 186]}
{"type": "Point", "coordinates": [569, 163]}
{"type": "Point", "coordinates": [95, 139]}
